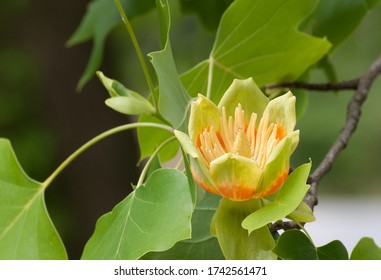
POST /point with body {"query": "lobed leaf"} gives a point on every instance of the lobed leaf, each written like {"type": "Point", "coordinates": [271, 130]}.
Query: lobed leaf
{"type": "Point", "coordinates": [152, 218]}
{"type": "Point", "coordinates": [259, 39]}
{"type": "Point", "coordinates": [101, 17]}
{"type": "Point", "coordinates": [26, 230]}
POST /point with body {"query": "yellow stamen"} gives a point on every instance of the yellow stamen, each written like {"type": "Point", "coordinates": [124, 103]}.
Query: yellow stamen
{"type": "Point", "coordinates": [234, 137]}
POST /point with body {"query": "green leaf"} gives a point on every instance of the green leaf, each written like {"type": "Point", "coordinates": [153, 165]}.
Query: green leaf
{"type": "Point", "coordinates": [174, 100]}
{"type": "Point", "coordinates": [372, 3]}
{"type": "Point", "coordinates": [366, 249]}
{"type": "Point", "coordinates": [123, 100]}
{"type": "Point", "coordinates": [26, 230]}
{"type": "Point", "coordinates": [287, 199]}
{"type": "Point", "coordinates": [130, 105]}
{"type": "Point", "coordinates": [295, 245]}
{"type": "Point", "coordinates": [235, 242]}
{"type": "Point", "coordinates": [202, 245]}
{"type": "Point", "coordinates": [152, 218]}
{"type": "Point", "coordinates": [259, 39]}
{"type": "Point", "coordinates": [334, 250]}
{"type": "Point", "coordinates": [150, 138]}
{"type": "Point", "coordinates": [338, 19]}
{"type": "Point", "coordinates": [101, 17]}
{"type": "Point", "coordinates": [302, 214]}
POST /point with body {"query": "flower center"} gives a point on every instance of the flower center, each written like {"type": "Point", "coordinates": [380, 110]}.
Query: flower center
{"type": "Point", "coordinates": [235, 136]}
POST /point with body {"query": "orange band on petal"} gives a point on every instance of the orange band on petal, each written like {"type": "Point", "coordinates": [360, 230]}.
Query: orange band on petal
{"type": "Point", "coordinates": [277, 183]}
{"type": "Point", "coordinates": [202, 183]}
{"type": "Point", "coordinates": [237, 193]}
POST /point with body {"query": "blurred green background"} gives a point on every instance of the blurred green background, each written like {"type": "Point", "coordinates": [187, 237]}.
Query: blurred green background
{"type": "Point", "coordinates": [46, 119]}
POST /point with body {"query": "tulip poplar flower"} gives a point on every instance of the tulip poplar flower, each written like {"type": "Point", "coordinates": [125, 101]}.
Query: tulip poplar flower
{"type": "Point", "coordinates": [241, 148]}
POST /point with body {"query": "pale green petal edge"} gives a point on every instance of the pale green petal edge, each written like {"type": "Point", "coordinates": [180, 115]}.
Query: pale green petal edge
{"type": "Point", "coordinates": [282, 111]}
{"type": "Point", "coordinates": [248, 94]}
{"type": "Point", "coordinates": [203, 113]}
{"type": "Point", "coordinates": [198, 166]}
{"type": "Point", "coordinates": [276, 168]}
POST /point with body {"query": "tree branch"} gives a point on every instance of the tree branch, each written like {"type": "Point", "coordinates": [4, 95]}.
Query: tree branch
{"type": "Point", "coordinates": [353, 117]}
{"type": "Point", "coordinates": [351, 84]}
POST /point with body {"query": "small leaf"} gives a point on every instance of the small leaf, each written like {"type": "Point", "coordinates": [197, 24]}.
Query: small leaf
{"type": "Point", "coordinates": [26, 230]}
{"type": "Point", "coordinates": [334, 250]}
{"type": "Point", "coordinates": [202, 245]}
{"type": "Point", "coordinates": [302, 214]}
{"type": "Point", "coordinates": [100, 19]}
{"type": "Point", "coordinates": [235, 242]}
{"type": "Point", "coordinates": [366, 249]}
{"type": "Point", "coordinates": [152, 218]}
{"type": "Point", "coordinates": [123, 100]}
{"type": "Point", "coordinates": [295, 245]}
{"type": "Point", "coordinates": [174, 100]}
{"type": "Point", "coordinates": [287, 199]}
{"type": "Point", "coordinates": [130, 105]}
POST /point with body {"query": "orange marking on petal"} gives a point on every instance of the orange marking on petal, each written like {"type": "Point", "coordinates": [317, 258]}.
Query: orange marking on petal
{"type": "Point", "coordinates": [236, 192]}
{"type": "Point", "coordinates": [278, 182]}
{"type": "Point", "coordinates": [203, 184]}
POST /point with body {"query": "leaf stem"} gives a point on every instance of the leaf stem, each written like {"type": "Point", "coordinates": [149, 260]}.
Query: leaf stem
{"type": "Point", "coordinates": [138, 51]}
{"type": "Point", "coordinates": [148, 164]}
{"type": "Point", "coordinates": [305, 231]}
{"type": "Point", "coordinates": [96, 139]}
{"type": "Point", "coordinates": [210, 77]}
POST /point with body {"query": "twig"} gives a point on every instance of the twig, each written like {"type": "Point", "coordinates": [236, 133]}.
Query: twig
{"type": "Point", "coordinates": [353, 117]}
{"type": "Point", "coordinates": [351, 84]}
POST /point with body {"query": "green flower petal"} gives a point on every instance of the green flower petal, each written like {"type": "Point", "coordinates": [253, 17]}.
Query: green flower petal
{"type": "Point", "coordinates": [248, 94]}
{"type": "Point", "coordinates": [294, 140]}
{"type": "Point", "coordinates": [235, 176]}
{"type": "Point", "coordinates": [203, 113]}
{"type": "Point", "coordinates": [277, 168]}
{"type": "Point", "coordinates": [199, 169]}
{"type": "Point", "coordinates": [187, 144]}
{"type": "Point", "coordinates": [282, 111]}
{"type": "Point", "coordinates": [202, 175]}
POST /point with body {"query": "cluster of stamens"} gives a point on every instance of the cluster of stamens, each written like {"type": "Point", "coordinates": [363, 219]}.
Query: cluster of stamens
{"type": "Point", "coordinates": [234, 136]}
